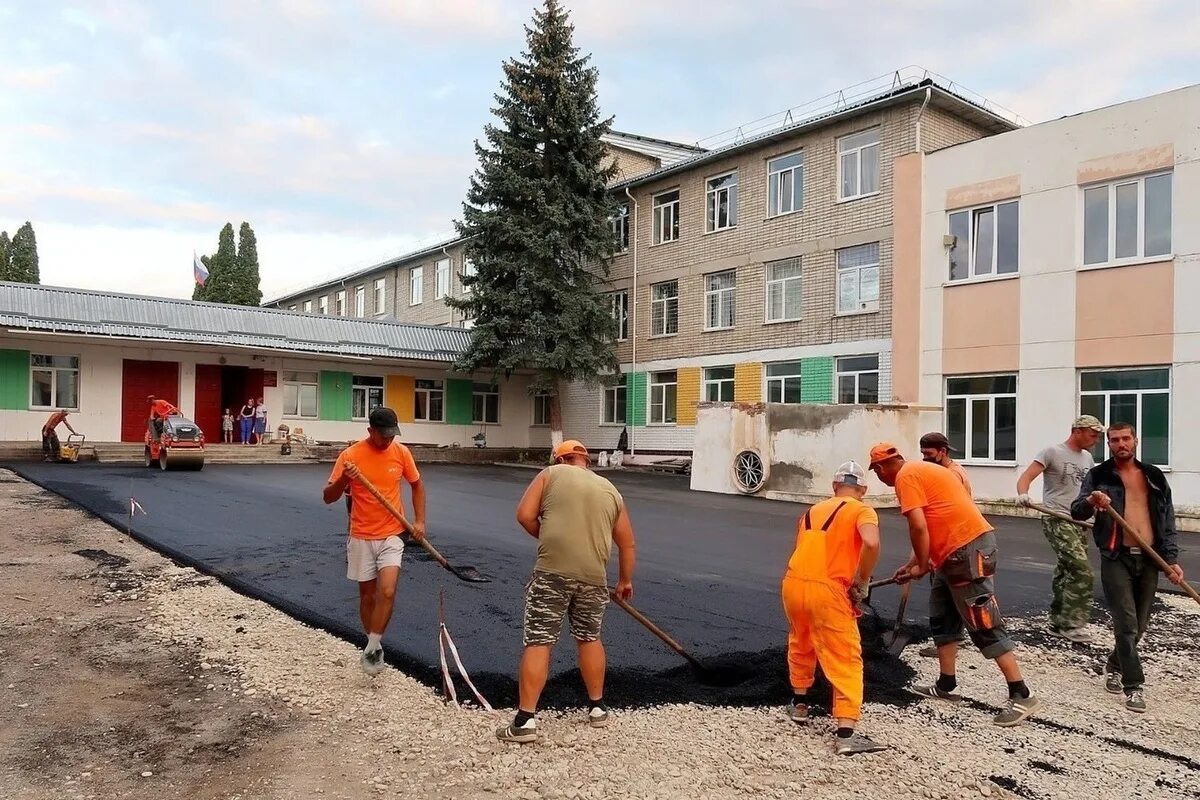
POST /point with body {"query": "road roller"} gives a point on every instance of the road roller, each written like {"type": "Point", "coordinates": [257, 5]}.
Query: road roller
{"type": "Point", "coordinates": [181, 445]}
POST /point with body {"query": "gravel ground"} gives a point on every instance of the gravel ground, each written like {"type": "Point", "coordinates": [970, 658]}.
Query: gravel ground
{"type": "Point", "coordinates": [231, 698]}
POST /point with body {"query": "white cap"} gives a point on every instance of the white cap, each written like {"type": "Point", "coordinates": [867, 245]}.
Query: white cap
{"type": "Point", "coordinates": [851, 473]}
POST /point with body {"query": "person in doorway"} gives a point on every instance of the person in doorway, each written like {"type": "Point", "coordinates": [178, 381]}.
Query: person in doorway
{"type": "Point", "coordinates": [837, 545]}
{"type": "Point", "coordinates": [950, 537]}
{"type": "Point", "coordinates": [260, 421]}
{"type": "Point", "coordinates": [576, 516]}
{"type": "Point", "coordinates": [1063, 467]}
{"type": "Point", "coordinates": [1141, 495]}
{"type": "Point", "coordinates": [246, 421]}
{"type": "Point", "coordinates": [51, 447]}
{"type": "Point", "coordinates": [227, 427]}
{"type": "Point", "coordinates": [936, 449]}
{"type": "Point", "coordinates": [159, 411]}
{"type": "Point", "coordinates": [374, 548]}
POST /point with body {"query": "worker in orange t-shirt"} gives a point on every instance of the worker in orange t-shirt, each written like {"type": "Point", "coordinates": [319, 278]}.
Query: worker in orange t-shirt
{"type": "Point", "coordinates": [951, 538]}
{"type": "Point", "coordinates": [159, 410]}
{"type": "Point", "coordinates": [374, 548]}
{"type": "Point", "coordinates": [837, 545]}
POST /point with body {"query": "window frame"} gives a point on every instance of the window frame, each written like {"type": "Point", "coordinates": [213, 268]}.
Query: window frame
{"type": "Point", "coordinates": [660, 211]}
{"type": "Point", "coordinates": [968, 400]}
{"type": "Point", "coordinates": [485, 390]}
{"type": "Point", "coordinates": [540, 400]}
{"type": "Point", "coordinates": [666, 303]}
{"type": "Point", "coordinates": [782, 381]}
{"type": "Point", "coordinates": [619, 308]}
{"type": "Point", "coordinates": [467, 271]}
{"type": "Point", "coordinates": [857, 152]}
{"type": "Point", "coordinates": [416, 285]}
{"type": "Point", "coordinates": [308, 306]}
{"type": "Point", "coordinates": [428, 392]}
{"type": "Point", "coordinates": [367, 389]}
{"type": "Point", "coordinates": [315, 384]}
{"type": "Point", "coordinates": [724, 296]}
{"type": "Point", "coordinates": [619, 224]}
{"type": "Point", "coordinates": [662, 386]}
{"type": "Point", "coordinates": [712, 201]}
{"type": "Point", "coordinates": [838, 271]}
{"type": "Point", "coordinates": [441, 277]}
{"type": "Point", "coordinates": [323, 304]}
{"type": "Point", "coordinates": [54, 377]}
{"type": "Point", "coordinates": [775, 185]}
{"type": "Point", "coordinates": [623, 389]}
{"type": "Point", "coordinates": [292, 307]}
{"type": "Point", "coordinates": [972, 213]}
{"type": "Point", "coordinates": [782, 284]}
{"type": "Point", "coordinates": [720, 384]}
{"type": "Point", "coordinates": [379, 296]}
{"type": "Point", "coordinates": [1111, 186]}
{"type": "Point", "coordinates": [1080, 393]}
{"type": "Point", "coordinates": [360, 301]}
{"type": "Point", "coordinates": [339, 303]}
{"type": "Point", "coordinates": [838, 373]}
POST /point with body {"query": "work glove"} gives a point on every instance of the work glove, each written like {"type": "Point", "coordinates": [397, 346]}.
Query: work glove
{"type": "Point", "coordinates": [1025, 500]}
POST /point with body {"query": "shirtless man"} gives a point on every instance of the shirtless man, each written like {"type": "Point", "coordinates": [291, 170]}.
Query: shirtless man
{"type": "Point", "coordinates": [50, 444]}
{"type": "Point", "coordinates": [1139, 493]}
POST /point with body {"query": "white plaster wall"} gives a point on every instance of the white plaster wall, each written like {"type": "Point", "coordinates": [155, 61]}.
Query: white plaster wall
{"type": "Point", "coordinates": [713, 448]}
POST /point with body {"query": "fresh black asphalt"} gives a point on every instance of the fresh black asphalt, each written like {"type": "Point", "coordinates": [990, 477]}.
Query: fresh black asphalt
{"type": "Point", "coordinates": [708, 570]}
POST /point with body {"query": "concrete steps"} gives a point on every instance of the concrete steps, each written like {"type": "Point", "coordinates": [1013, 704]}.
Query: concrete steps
{"type": "Point", "coordinates": [133, 453]}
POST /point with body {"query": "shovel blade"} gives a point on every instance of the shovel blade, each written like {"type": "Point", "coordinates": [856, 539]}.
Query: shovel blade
{"type": "Point", "coordinates": [470, 574]}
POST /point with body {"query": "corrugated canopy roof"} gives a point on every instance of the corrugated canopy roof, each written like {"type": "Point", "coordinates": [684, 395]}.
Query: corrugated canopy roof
{"type": "Point", "coordinates": [666, 152]}
{"type": "Point", "coordinates": [26, 307]}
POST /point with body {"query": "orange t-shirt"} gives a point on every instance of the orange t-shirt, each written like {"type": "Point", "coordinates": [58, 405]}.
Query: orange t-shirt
{"type": "Point", "coordinates": [950, 513]}
{"type": "Point", "coordinates": [384, 469]}
{"type": "Point", "coordinates": [958, 470]}
{"type": "Point", "coordinates": [832, 554]}
{"type": "Point", "coordinates": [161, 409]}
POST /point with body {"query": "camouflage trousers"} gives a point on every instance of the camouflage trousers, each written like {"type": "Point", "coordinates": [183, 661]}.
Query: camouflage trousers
{"type": "Point", "coordinates": [1073, 578]}
{"type": "Point", "coordinates": [549, 598]}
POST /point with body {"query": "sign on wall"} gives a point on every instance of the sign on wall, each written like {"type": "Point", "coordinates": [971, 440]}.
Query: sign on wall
{"type": "Point", "coordinates": [270, 379]}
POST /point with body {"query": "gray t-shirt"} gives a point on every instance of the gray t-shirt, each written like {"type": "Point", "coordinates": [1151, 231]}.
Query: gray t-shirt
{"type": "Point", "coordinates": [1065, 471]}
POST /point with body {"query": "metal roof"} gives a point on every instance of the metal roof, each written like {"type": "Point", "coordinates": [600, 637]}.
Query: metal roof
{"type": "Point", "coordinates": [667, 153]}
{"type": "Point", "coordinates": [44, 309]}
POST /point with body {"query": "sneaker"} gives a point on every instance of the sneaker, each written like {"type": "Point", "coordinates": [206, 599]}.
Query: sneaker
{"type": "Point", "coordinates": [372, 661]}
{"type": "Point", "coordinates": [932, 690]}
{"type": "Point", "coordinates": [857, 743]}
{"type": "Point", "coordinates": [1135, 701]}
{"type": "Point", "coordinates": [929, 651]}
{"type": "Point", "coordinates": [1077, 635]}
{"type": "Point", "coordinates": [798, 713]}
{"type": "Point", "coordinates": [522, 735]}
{"type": "Point", "coordinates": [598, 717]}
{"type": "Point", "coordinates": [1112, 683]}
{"type": "Point", "coordinates": [1017, 711]}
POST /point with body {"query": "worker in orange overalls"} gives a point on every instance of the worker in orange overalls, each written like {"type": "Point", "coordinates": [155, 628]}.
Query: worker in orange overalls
{"type": "Point", "coordinates": [159, 411]}
{"type": "Point", "coordinates": [837, 545]}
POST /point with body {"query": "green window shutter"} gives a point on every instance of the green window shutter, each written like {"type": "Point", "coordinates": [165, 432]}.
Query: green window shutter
{"type": "Point", "coordinates": [635, 415]}
{"type": "Point", "coordinates": [458, 401]}
{"type": "Point", "coordinates": [14, 380]}
{"type": "Point", "coordinates": [816, 380]}
{"type": "Point", "coordinates": [334, 400]}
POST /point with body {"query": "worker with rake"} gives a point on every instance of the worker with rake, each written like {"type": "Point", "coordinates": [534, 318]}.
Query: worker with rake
{"type": "Point", "coordinates": [837, 545]}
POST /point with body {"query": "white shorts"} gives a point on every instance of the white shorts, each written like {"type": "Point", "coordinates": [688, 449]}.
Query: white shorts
{"type": "Point", "coordinates": [365, 557]}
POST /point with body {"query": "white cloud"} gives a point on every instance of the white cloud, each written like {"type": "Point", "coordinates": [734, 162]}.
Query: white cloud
{"type": "Point", "coordinates": [33, 78]}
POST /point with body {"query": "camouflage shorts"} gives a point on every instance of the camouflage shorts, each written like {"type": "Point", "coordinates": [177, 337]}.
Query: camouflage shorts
{"type": "Point", "coordinates": [549, 598]}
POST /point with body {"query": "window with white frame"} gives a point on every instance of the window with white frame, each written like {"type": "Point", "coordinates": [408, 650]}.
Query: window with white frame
{"type": "Point", "coordinates": [541, 409]}
{"type": "Point", "coordinates": [300, 394]}
{"type": "Point", "coordinates": [1127, 219]}
{"type": "Point", "coordinates": [429, 401]}
{"type": "Point", "coordinates": [785, 184]}
{"type": "Point", "coordinates": [292, 307]}
{"type": "Point", "coordinates": [468, 271]}
{"type": "Point", "coordinates": [53, 382]}
{"type": "Point", "coordinates": [720, 296]}
{"type": "Point", "coordinates": [858, 279]}
{"type": "Point", "coordinates": [666, 217]}
{"type": "Point", "coordinates": [858, 379]}
{"type": "Point", "coordinates": [613, 404]}
{"type": "Point", "coordinates": [858, 164]}
{"type": "Point", "coordinates": [366, 394]}
{"type": "Point", "coordinates": [360, 301]}
{"type": "Point", "coordinates": [783, 382]}
{"type": "Point", "coordinates": [323, 304]}
{"type": "Point", "coordinates": [619, 222]}
{"type": "Point", "coordinates": [721, 202]}
{"type": "Point", "coordinates": [619, 307]}
{"type": "Point", "coordinates": [442, 275]}
{"type": "Point", "coordinates": [783, 280]}
{"type": "Point", "coordinates": [379, 297]}
{"type": "Point", "coordinates": [981, 417]}
{"type": "Point", "coordinates": [663, 386]}
{"type": "Point", "coordinates": [308, 306]}
{"type": "Point", "coordinates": [485, 404]}
{"type": "Point", "coordinates": [718, 384]}
{"type": "Point", "coordinates": [416, 286]}
{"type": "Point", "coordinates": [339, 303]}
{"type": "Point", "coordinates": [1141, 397]}
{"type": "Point", "coordinates": [986, 241]}
{"type": "Point", "coordinates": [664, 308]}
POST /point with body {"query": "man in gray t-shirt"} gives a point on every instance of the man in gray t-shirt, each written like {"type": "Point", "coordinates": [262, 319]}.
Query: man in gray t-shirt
{"type": "Point", "coordinates": [1063, 467]}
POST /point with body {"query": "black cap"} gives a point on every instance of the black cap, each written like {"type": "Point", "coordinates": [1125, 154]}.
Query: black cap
{"type": "Point", "coordinates": [384, 421]}
{"type": "Point", "coordinates": [937, 441]}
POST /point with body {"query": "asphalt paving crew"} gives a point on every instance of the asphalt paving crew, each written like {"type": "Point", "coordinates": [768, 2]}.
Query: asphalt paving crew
{"type": "Point", "coordinates": [1140, 493]}
{"type": "Point", "coordinates": [950, 537]}
{"type": "Point", "coordinates": [159, 411]}
{"type": "Point", "coordinates": [374, 547]}
{"type": "Point", "coordinates": [1063, 467]}
{"type": "Point", "coordinates": [837, 546]}
{"type": "Point", "coordinates": [576, 516]}
{"type": "Point", "coordinates": [936, 449]}
{"type": "Point", "coordinates": [51, 447]}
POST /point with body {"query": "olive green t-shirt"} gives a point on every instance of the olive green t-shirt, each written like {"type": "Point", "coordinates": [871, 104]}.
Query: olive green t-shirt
{"type": "Point", "coordinates": [579, 509]}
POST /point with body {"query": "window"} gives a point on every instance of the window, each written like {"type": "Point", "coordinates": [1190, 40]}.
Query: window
{"type": "Point", "coordinates": [858, 379]}
{"type": "Point", "coordinates": [662, 398]}
{"type": "Point", "coordinates": [981, 417]}
{"type": "Point", "coordinates": [54, 381]}
{"type": "Point", "coordinates": [416, 285]}
{"type": "Point", "coordinates": [541, 409]}
{"type": "Point", "coordinates": [1127, 219]}
{"type": "Point", "coordinates": [785, 184]}
{"type": "Point", "coordinates": [783, 290]}
{"type": "Point", "coordinates": [430, 401]}
{"type": "Point", "coordinates": [300, 394]}
{"type": "Point", "coordinates": [666, 217]}
{"type": "Point", "coordinates": [308, 306]}
{"type": "Point", "coordinates": [1140, 397]}
{"type": "Point", "coordinates": [619, 304]}
{"type": "Point", "coordinates": [468, 271]}
{"type": "Point", "coordinates": [442, 276]}
{"type": "Point", "coordinates": [664, 308]}
{"type": "Point", "coordinates": [718, 384]}
{"type": "Point", "coordinates": [291, 308]}
{"type": "Point", "coordinates": [619, 223]}
{"type": "Point", "coordinates": [858, 279]}
{"type": "Point", "coordinates": [339, 303]}
{"type": "Point", "coordinates": [360, 301]}
{"type": "Point", "coordinates": [485, 403]}
{"type": "Point", "coordinates": [613, 412]}
{"type": "Point", "coordinates": [366, 394]}
{"type": "Point", "coordinates": [720, 290]}
{"type": "Point", "coordinates": [323, 304]}
{"type": "Point", "coordinates": [721, 202]}
{"type": "Point", "coordinates": [783, 382]}
{"type": "Point", "coordinates": [379, 297]}
{"type": "Point", "coordinates": [858, 165]}
{"type": "Point", "coordinates": [985, 241]}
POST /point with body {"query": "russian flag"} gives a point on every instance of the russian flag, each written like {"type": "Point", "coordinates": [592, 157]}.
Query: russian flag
{"type": "Point", "coordinates": [198, 270]}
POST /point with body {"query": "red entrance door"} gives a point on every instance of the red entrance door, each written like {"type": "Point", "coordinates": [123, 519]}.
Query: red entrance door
{"type": "Point", "coordinates": [208, 401]}
{"type": "Point", "coordinates": [138, 380]}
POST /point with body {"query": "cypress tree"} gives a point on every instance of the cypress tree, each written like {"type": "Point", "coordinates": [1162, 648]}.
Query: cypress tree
{"type": "Point", "coordinates": [4, 261]}
{"type": "Point", "coordinates": [246, 290]}
{"type": "Point", "coordinates": [23, 256]}
{"type": "Point", "coordinates": [222, 269]}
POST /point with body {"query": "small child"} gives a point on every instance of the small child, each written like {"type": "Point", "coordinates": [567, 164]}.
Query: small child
{"type": "Point", "coordinates": [227, 427]}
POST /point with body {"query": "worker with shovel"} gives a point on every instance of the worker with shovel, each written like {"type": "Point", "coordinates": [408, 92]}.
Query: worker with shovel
{"type": "Point", "coordinates": [952, 538]}
{"type": "Point", "coordinates": [1140, 494]}
{"type": "Point", "coordinates": [837, 545]}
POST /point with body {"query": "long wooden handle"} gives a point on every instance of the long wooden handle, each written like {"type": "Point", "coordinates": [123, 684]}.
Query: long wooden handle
{"type": "Point", "coordinates": [1150, 551]}
{"type": "Point", "coordinates": [1049, 512]}
{"type": "Point", "coordinates": [399, 515]}
{"type": "Point", "coordinates": [884, 582]}
{"type": "Point", "coordinates": [657, 631]}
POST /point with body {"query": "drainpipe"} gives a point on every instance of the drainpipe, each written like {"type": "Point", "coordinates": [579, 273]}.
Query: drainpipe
{"type": "Point", "coordinates": [921, 113]}
{"type": "Point", "coordinates": [633, 318]}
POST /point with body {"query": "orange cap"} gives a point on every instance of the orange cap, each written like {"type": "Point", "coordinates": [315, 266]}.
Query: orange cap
{"type": "Point", "coordinates": [883, 451]}
{"type": "Point", "coordinates": [571, 447]}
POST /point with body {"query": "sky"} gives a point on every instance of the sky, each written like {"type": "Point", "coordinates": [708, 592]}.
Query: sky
{"type": "Point", "coordinates": [343, 130]}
